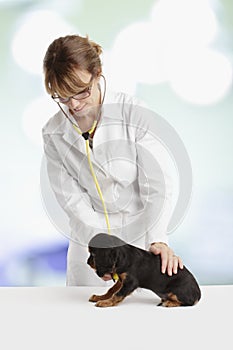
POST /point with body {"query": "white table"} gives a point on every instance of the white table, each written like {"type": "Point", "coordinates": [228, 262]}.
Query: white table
{"type": "Point", "coordinates": [62, 318]}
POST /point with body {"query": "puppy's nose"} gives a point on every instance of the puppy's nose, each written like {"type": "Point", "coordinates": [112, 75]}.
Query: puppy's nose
{"type": "Point", "coordinates": [100, 273]}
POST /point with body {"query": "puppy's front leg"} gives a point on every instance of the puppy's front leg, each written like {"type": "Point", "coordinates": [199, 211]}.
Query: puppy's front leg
{"type": "Point", "coordinates": [115, 288]}
{"type": "Point", "coordinates": [129, 285]}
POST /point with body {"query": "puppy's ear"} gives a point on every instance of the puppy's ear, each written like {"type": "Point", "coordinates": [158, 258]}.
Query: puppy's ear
{"type": "Point", "coordinates": [121, 259]}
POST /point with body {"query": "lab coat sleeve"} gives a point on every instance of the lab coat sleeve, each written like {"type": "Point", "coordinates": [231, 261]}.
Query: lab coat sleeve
{"type": "Point", "coordinates": [155, 186]}
{"type": "Point", "coordinates": [85, 222]}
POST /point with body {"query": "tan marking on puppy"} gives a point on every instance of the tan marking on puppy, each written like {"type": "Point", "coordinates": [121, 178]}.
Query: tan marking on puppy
{"type": "Point", "coordinates": [123, 276]}
{"type": "Point", "coordinates": [113, 301]}
{"type": "Point", "coordinates": [94, 298]}
{"type": "Point", "coordinates": [171, 301]}
{"type": "Point", "coordinates": [116, 287]}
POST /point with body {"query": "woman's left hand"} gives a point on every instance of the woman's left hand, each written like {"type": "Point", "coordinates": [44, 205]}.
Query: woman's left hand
{"type": "Point", "coordinates": [170, 261]}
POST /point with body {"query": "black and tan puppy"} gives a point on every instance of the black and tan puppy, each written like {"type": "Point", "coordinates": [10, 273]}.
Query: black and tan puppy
{"type": "Point", "coordinates": [135, 268]}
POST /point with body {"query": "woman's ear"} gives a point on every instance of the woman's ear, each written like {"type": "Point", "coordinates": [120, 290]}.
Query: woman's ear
{"type": "Point", "coordinates": [98, 77]}
{"type": "Point", "coordinates": [99, 73]}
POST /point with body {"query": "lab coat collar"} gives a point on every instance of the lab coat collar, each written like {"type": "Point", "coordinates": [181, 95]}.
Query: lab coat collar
{"type": "Point", "coordinates": [58, 124]}
{"type": "Point", "coordinates": [112, 105]}
{"type": "Point", "coordinates": [109, 112]}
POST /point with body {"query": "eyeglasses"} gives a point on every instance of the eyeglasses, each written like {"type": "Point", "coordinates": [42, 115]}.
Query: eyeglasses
{"type": "Point", "coordinates": [80, 96]}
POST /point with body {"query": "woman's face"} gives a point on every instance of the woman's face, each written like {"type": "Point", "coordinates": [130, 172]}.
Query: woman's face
{"type": "Point", "coordinates": [88, 105]}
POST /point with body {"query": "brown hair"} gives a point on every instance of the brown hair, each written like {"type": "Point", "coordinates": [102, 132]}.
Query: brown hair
{"type": "Point", "coordinates": [63, 56]}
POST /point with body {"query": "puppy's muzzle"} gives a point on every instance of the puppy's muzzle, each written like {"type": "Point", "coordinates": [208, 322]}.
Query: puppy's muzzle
{"type": "Point", "coordinates": [102, 271]}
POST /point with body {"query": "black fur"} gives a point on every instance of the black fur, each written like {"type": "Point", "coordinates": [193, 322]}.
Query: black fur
{"type": "Point", "coordinates": [140, 268]}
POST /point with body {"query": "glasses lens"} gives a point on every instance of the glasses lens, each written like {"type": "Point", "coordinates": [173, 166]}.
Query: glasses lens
{"type": "Point", "coordinates": [82, 95]}
{"type": "Point", "coordinates": [63, 100]}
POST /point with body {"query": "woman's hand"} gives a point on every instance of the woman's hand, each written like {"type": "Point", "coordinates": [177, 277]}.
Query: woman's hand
{"type": "Point", "coordinates": [170, 261]}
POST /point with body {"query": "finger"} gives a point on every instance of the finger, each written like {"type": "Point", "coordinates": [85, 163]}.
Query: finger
{"type": "Point", "coordinates": [175, 264]}
{"type": "Point", "coordinates": [170, 265]}
{"type": "Point", "coordinates": [180, 262]}
{"type": "Point", "coordinates": [155, 250]}
{"type": "Point", "coordinates": [164, 258]}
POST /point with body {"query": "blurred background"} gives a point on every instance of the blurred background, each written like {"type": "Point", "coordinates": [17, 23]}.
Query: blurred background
{"type": "Point", "coordinates": [177, 56]}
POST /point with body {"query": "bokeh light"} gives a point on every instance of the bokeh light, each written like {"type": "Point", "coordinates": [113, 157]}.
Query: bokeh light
{"type": "Point", "coordinates": [201, 76]}
{"type": "Point", "coordinates": [173, 46]}
{"type": "Point", "coordinates": [35, 115]}
{"type": "Point", "coordinates": [35, 31]}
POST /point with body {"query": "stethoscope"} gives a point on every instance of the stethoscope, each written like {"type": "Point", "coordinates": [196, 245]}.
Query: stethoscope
{"type": "Point", "coordinates": [87, 133]}
{"type": "Point", "coordinates": [86, 136]}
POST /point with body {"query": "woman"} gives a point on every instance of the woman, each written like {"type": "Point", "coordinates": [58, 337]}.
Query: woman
{"type": "Point", "coordinates": [124, 151]}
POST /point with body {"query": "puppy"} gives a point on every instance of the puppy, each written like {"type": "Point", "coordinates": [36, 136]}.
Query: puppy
{"type": "Point", "coordinates": [135, 268]}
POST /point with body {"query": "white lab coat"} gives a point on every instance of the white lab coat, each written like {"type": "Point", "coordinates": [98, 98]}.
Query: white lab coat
{"type": "Point", "coordinates": [130, 163]}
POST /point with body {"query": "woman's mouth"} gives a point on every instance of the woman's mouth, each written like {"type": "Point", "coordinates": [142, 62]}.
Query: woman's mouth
{"type": "Point", "coordinates": [76, 111]}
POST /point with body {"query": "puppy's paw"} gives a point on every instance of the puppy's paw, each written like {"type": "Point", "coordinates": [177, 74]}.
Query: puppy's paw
{"type": "Point", "coordinates": [94, 298]}
{"type": "Point", "coordinates": [104, 303]}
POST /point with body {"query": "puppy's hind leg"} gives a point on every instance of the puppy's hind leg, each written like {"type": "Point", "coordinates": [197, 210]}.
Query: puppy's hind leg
{"type": "Point", "coordinates": [171, 301]}
{"type": "Point", "coordinates": [114, 289]}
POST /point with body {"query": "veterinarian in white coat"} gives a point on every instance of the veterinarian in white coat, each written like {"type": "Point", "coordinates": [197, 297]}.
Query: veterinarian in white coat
{"type": "Point", "coordinates": [127, 156]}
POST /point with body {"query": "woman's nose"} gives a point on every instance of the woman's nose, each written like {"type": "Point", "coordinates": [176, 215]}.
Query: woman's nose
{"type": "Point", "coordinates": [73, 103]}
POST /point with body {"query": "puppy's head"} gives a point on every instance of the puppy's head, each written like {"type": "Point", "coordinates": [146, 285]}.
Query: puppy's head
{"type": "Point", "coordinates": [107, 254]}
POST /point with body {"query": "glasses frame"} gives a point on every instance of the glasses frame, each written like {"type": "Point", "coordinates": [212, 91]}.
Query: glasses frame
{"type": "Point", "coordinates": [75, 97]}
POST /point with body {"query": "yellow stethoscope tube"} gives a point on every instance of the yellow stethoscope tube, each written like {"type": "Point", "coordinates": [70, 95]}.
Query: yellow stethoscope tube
{"type": "Point", "coordinates": [93, 173]}
{"type": "Point", "coordinates": [86, 137]}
